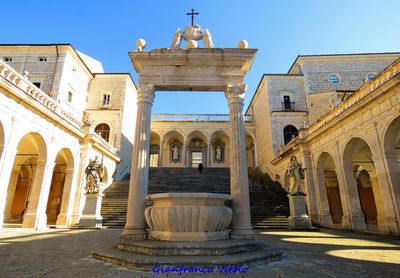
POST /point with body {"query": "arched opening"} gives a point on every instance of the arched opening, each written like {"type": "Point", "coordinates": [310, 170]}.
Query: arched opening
{"type": "Point", "coordinates": [197, 149]}
{"type": "Point", "coordinates": [361, 178]}
{"type": "Point", "coordinates": [173, 150]}
{"type": "Point", "coordinates": [367, 198]}
{"type": "Point", "coordinates": [250, 151]}
{"type": "Point", "coordinates": [26, 179]}
{"type": "Point", "coordinates": [289, 132]}
{"type": "Point", "coordinates": [62, 174]}
{"type": "Point", "coordinates": [392, 154]}
{"type": "Point", "coordinates": [220, 150]}
{"type": "Point", "coordinates": [154, 149]}
{"type": "Point", "coordinates": [103, 130]}
{"type": "Point", "coordinates": [329, 187]}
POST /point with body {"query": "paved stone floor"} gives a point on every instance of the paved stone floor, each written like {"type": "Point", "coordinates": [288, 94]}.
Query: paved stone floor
{"type": "Point", "coordinates": [66, 253]}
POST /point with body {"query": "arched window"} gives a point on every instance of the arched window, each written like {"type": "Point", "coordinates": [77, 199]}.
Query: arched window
{"type": "Point", "coordinates": [289, 132]}
{"type": "Point", "coordinates": [103, 130]}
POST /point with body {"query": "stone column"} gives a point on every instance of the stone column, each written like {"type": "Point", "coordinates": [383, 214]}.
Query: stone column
{"type": "Point", "coordinates": [185, 153]}
{"type": "Point", "coordinates": [135, 222]}
{"type": "Point", "coordinates": [209, 154]}
{"type": "Point", "coordinates": [241, 225]}
{"type": "Point", "coordinates": [160, 158]}
{"type": "Point", "coordinates": [36, 214]}
{"type": "Point", "coordinates": [63, 217]}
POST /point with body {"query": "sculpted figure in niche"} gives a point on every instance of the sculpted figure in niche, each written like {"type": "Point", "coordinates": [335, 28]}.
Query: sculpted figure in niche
{"type": "Point", "coordinates": [175, 153]}
{"type": "Point", "coordinates": [296, 176]}
{"type": "Point", "coordinates": [94, 175]}
{"type": "Point", "coordinates": [218, 154]}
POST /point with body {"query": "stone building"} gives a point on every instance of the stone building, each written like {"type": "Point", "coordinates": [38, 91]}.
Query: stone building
{"type": "Point", "coordinates": [339, 115]}
{"type": "Point", "coordinates": [49, 131]}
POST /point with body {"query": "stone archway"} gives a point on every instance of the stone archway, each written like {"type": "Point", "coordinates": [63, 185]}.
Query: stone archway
{"type": "Point", "coordinates": [213, 69]}
{"type": "Point", "coordinates": [26, 180]}
{"type": "Point", "coordinates": [197, 149]}
{"type": "Point", "coordinates": [328, 183]}
{"type": "Point", "coordinates": [362, 184]}
{"type": "Point", "coordinates": [219, 150]}
{"type": "Point", "coordinates": [61, 183]}
{"type": "Point", "coordinates": [155, 142]}
{"type": "Point", "coordinates": [392, 154]}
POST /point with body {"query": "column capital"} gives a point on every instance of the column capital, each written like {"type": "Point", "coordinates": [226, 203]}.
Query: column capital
{"type": "Point", "coordinates": [146, 93]}
{"type": "Point", "coordinates": [235, 93]}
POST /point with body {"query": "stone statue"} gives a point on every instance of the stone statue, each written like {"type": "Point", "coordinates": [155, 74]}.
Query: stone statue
{"type": "Point", "coordinates": [296, 176]}
{"type": "Point", "coordinates": [94, 175]}
{"type": "Point", "coordinates": [175, 153]}
{"type": "Point", "coordinates": [218, 153]}
{"type": "Point", "coordinates": [208, 43]}
{"type": "Point", "coordinates": [192, 33]}
{"type": "Point", "coordinates": [140, 45]}
{"type": "Point", "coordinates": [176, 41]}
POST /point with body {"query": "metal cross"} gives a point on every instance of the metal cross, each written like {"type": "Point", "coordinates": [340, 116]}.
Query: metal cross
{"type": "Point", "coordinates": [192, 14]}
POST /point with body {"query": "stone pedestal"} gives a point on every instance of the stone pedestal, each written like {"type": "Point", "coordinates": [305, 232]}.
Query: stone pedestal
{"type": "Point", "coordinates": [91, 217]}
{"type": "Point", "coordinates": [298, 218]}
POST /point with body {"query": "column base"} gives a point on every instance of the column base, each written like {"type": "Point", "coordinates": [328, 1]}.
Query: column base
{"type": "Point", "coordinates": [326, 220]}
{"type": "Point", "coordinates": [134, 233]}
{"type": "Point", "coordinates": [34, 220]}
{"type": "Point", "coordinates": [243, 233]}
{"type": "Point", "coordinates": [391, 226]}
{"type": "Point", "coordinates": [62, 220]}
{"type": "Point", "coordinates": [358, 222]}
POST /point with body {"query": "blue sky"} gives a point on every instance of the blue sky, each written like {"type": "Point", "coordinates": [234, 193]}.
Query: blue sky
{"type": "Point", "coordinates": [281, 30]}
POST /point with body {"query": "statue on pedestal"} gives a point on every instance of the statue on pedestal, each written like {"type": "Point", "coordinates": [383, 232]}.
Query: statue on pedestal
{"type": "Point", "coordinates": [296, 176]}
{"type": "Point", "coordinates": [94, 175]}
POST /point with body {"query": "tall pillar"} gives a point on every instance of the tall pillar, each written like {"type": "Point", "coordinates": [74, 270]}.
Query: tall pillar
{"type": "Point", "coordinates": [35, 217]}
{"type": "Point", "coordinates": [63, 217]}
{"type": "Point", "coordinates": [135, 222]}
{"type": "Point", "coordinates": [160, 158]}
{"type": "Point", "coordinates": [209, 154]}
{"type": "Point", "coordinates": [241, 225]}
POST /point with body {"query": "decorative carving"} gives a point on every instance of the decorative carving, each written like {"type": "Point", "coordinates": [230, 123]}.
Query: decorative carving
{"type": "Point", "coordinates": [140, 45]}
{"type": "Point", "coordinates": [176, 41]}
{"type": "Point", "coordinates": [295, 172]}
{"type": "Point", "coordinates": [176, 148]}
{"type": "Point", "coordinates": [146, 93]}
{"type": "Point", "coordinates": [219, 151]}
{"type": "Point", "coordinates": [208, 43]}
{"type": "Point", "coordinates": [192, 33]}
{"type": "Point", "coordinates": [235, 93]}
{"type": "Point", "coordinates": [94, 175]}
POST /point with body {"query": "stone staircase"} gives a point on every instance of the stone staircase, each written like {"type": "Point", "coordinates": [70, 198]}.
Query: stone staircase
{"type": "Point", "coordinates": [269, 204]}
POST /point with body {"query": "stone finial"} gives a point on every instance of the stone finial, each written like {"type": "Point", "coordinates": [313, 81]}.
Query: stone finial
{"type": "Point", "coordinates": [243, 44]}
{"type": "Point", "coordinates": [208, 43]}
{"type": "Point", "coordinates": [176, 40]}
{"type": "Point", "coordinates": [192, 33]}
{"type": "Point", "coordinates": [140, 45]}
{"type": "Point", "coordinates": [191, 44]}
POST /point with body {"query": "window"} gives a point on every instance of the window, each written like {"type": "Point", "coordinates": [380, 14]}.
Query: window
{"type": "Point", "coordinates": [289, 132]}
{"type": "Point", "coordinates": [37, 84]}
{"type": "Point", "coordinates": [370, 76]}
{"type": "Point", "coordinates": [333, 78]}
{"type": "Point", "coordinates": [69, 96]}
{"type": "Point", "coordinates": [42, 59]}
{"type": "Point", "coordinates": [7, 59]}
{"type": "Point", "coordinates": [103, 130]}
{"type": "Point", "coordinates": [287, 104]}
{"type": "Point", "coordinates": [106, 100]}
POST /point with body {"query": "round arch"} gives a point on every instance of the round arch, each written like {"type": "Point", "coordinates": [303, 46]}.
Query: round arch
{"type": "Point", "coordinates": [26, 178]}
{"type": "Point", "coordinates": [103, 129]}
{"type": "Point", "coordinates": [289, 132]}
{"type": "Point", "coordinates": [364, 190]}
{"type": "Point", "coordinates": [172, 149]}
{"type": "Point", "coordinates": [198, 149]}
{"type": "Point", "coordinates": [328, 184]}
{"type": "Point", "coordinates": [219, 149]}
{"type": "Point", "coordinates": [391, 143]}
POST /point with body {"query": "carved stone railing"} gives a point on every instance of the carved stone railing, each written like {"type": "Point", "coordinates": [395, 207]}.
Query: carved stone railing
{"type": "Point", "coordinates": [195, 117]}
{"type": "Point", "coordinates": [41, 97]}
{"type": "Point", "coordinates": [104, 143]}
{"type": "Point", "coordinates": [360, 94]}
